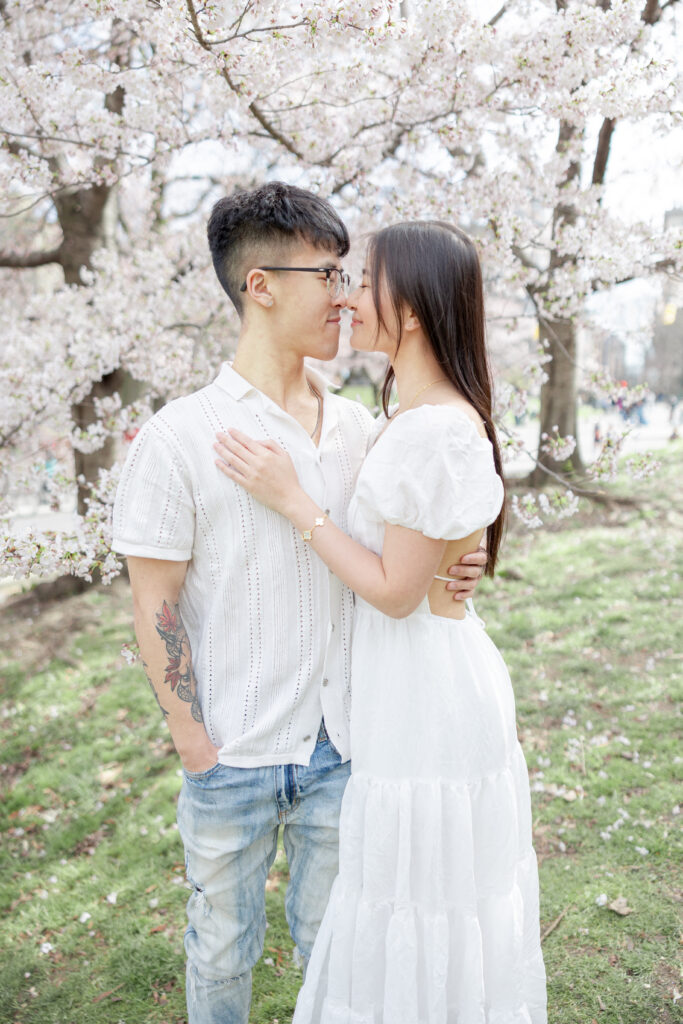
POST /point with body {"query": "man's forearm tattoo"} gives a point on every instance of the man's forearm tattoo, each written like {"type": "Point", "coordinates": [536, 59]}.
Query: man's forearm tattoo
{"type": "Point", "coordinates": [179, 669]}
{"type": "Point", "coordinates": [154, 689]}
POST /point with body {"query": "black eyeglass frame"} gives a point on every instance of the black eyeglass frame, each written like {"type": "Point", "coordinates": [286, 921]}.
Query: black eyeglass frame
{"type": "Point", "coordinates": [344, 278]}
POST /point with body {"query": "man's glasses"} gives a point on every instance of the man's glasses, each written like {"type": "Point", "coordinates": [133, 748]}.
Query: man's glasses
{"type": "Point", "coordinates": [336, 280]}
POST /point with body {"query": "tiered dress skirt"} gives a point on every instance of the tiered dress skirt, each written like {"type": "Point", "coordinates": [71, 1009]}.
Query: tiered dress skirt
{"type": "Point", "coordinates": [434, 916]}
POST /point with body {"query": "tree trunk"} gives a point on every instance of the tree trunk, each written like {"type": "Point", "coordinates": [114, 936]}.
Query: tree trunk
{"type": "Point", "coordinates": [88, 464]}
{"type": "Point", "coordinates": [87, 217]}
{"type": "Point", "coordinates": [558, 397]}
{"type": "Point", "coordinates": [83, 217]}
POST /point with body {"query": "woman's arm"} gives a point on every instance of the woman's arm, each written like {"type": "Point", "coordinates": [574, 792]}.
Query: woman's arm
{"type": "Point", "coordinates": [395, 583]}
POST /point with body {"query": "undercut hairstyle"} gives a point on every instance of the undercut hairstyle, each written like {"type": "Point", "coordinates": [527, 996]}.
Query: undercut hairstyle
{"type": "Point", "coordinates": [433, 268]}
{"type": "Point", "coordinates": [257, 227]}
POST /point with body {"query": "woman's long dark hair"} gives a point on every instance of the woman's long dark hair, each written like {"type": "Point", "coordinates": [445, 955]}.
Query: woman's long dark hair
{"type": "Point", "coordinates": [432, 268]}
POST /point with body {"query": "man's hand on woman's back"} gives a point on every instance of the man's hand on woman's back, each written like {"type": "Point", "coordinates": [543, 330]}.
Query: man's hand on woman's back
{"type": "Point", "coordinates": [467, 573]}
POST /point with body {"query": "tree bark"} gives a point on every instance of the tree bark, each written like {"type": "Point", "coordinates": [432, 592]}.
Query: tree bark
{"type": "Point", "coordinates": [559, 396]}
{"type": "Point", "coordinates": [602, 152]}
{"type": "Point", "coordinates": [82, 214]}
{"type": "Point", "coordinates": [85, 217]}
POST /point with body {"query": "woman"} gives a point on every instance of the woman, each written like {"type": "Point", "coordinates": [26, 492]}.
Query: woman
{"type": "Point", "coordinates": [434, 914]}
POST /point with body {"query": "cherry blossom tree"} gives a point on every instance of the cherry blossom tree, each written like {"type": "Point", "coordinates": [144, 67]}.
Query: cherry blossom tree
{"type": "Point", "coordinates": [122, 121]}
{"type": "Point", "coordinates": [520, 152]}
{"type": "Point", "coordinates": [558, 331]}
{"type": "Point", "coordinates": [99, 101]}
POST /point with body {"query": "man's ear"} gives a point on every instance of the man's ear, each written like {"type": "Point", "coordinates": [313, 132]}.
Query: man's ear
{"type": "Point", "coordinates": [257, 287]}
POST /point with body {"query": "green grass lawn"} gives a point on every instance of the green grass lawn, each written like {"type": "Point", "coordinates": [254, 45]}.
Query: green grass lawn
{"type": "Point", "coordinates": [589, 616]}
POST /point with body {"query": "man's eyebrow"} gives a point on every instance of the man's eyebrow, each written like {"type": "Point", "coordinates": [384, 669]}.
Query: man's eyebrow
{"type": "Point", "coordinates": [330, 265]}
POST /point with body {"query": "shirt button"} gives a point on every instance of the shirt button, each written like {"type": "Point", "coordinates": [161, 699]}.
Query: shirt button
{"type": "Point", "coordinates": [325, 682]}
{"type": "Point", "coordinates": [333, 627]}
{"type": "Point", "coordinates": [306, 738]}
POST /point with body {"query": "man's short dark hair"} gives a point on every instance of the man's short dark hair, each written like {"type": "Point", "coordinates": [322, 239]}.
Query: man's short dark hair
{"type": "Point", "coordinates": [254, 227]}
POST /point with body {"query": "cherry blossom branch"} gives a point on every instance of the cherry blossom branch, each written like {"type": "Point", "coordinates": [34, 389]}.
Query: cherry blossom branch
{"type": "Point", "coordinates": [31, 259]}
{"type": "Point", "coordinates": [498, 15]}
{"type": "Point", "coordinates": [253, 31]}
{"type": "Point", "coordinates": [652, 12]}
{"type": "Point", "coordinates": [267, 125]}
{"type": "Point", "coordinates": [565, 481]}
{"type": "Point", "coordinates": [237, 23]}
{"type": "Point", "coordinates": [602, 150]}
{"type": "Point", "coordinates": [36, 411]}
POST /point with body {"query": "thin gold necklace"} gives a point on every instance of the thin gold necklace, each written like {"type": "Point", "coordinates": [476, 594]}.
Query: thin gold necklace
{"type": "Point", "coordinates": [424, 388]}
{"type": "Point", "coordinates": [320, 407]}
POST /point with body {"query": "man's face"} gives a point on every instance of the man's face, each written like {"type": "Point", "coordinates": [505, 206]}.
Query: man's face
{"type": "Point", "coordinates": [306, 315]}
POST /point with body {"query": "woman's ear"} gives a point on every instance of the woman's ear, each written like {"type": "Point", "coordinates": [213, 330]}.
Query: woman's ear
{"type": "Point", "coordinates": [257, 287]}
{"type": "Point", "coordinates": [411, 322]}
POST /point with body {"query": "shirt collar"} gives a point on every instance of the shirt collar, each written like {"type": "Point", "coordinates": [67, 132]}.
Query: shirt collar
{"type": "Point", "coordinates": [320, 380]}
{"type": "Point", "coordinates": [237, 387]}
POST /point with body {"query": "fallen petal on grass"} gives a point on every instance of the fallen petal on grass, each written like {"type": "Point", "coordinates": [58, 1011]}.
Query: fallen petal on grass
{"type": "Point", "coordinates": [620, 906]}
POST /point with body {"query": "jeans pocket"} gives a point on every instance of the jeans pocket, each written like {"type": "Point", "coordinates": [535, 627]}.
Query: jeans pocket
{"type": "Point", "coordinates": [208, 773]}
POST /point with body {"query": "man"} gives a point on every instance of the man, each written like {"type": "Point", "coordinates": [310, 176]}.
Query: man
{"type": "Point", "coordinates": [244, 634]}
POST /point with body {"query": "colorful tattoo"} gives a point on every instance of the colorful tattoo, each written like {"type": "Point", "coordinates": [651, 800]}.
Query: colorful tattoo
{"type": "Point", "coordinates": [179, 669]}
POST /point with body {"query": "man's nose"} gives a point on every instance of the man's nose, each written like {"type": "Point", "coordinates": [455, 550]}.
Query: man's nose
{"type": "Point", "coordinates": [340, 300]}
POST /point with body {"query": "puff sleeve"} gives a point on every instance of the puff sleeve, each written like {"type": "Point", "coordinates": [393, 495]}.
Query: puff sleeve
{"type": "Point", "coordinates": [431, 471]}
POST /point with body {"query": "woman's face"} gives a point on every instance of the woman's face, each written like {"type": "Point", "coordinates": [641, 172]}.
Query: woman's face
{"type": "Point", "coordinates": [367, 333]}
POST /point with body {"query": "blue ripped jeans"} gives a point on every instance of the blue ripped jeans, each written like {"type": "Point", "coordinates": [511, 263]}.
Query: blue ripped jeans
{"type": "Point", "coordinates": [228, 819]}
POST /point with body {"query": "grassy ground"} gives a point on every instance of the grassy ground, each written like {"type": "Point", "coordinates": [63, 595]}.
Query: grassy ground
{"type": "Point", "coordinates": [589, 618]}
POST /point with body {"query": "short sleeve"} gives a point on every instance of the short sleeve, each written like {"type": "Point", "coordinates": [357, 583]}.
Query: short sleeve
{"type": "Point", "coordinates": [431, 471]}
{"type": "Point", "coordinates": [154, 513]}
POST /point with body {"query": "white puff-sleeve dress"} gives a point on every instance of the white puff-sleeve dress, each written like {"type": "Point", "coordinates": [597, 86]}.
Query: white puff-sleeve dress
{"type": "Point", "coordinates": [433, 917]}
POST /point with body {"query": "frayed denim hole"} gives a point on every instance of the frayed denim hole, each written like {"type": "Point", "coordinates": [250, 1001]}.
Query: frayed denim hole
{"type": "Point", "coordinates": [198, 892]}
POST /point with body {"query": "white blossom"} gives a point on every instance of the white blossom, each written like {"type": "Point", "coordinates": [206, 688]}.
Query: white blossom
{"type": "Point", "coordinates": [165, 106]}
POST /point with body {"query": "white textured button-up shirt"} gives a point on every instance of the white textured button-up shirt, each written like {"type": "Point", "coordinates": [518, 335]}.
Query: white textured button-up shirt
{"type": "Point", "coordinates": [269, 626]}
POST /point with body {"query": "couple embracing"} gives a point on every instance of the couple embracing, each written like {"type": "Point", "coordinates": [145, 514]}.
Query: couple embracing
{"type": "Point", "coordinates": [299, 574]}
